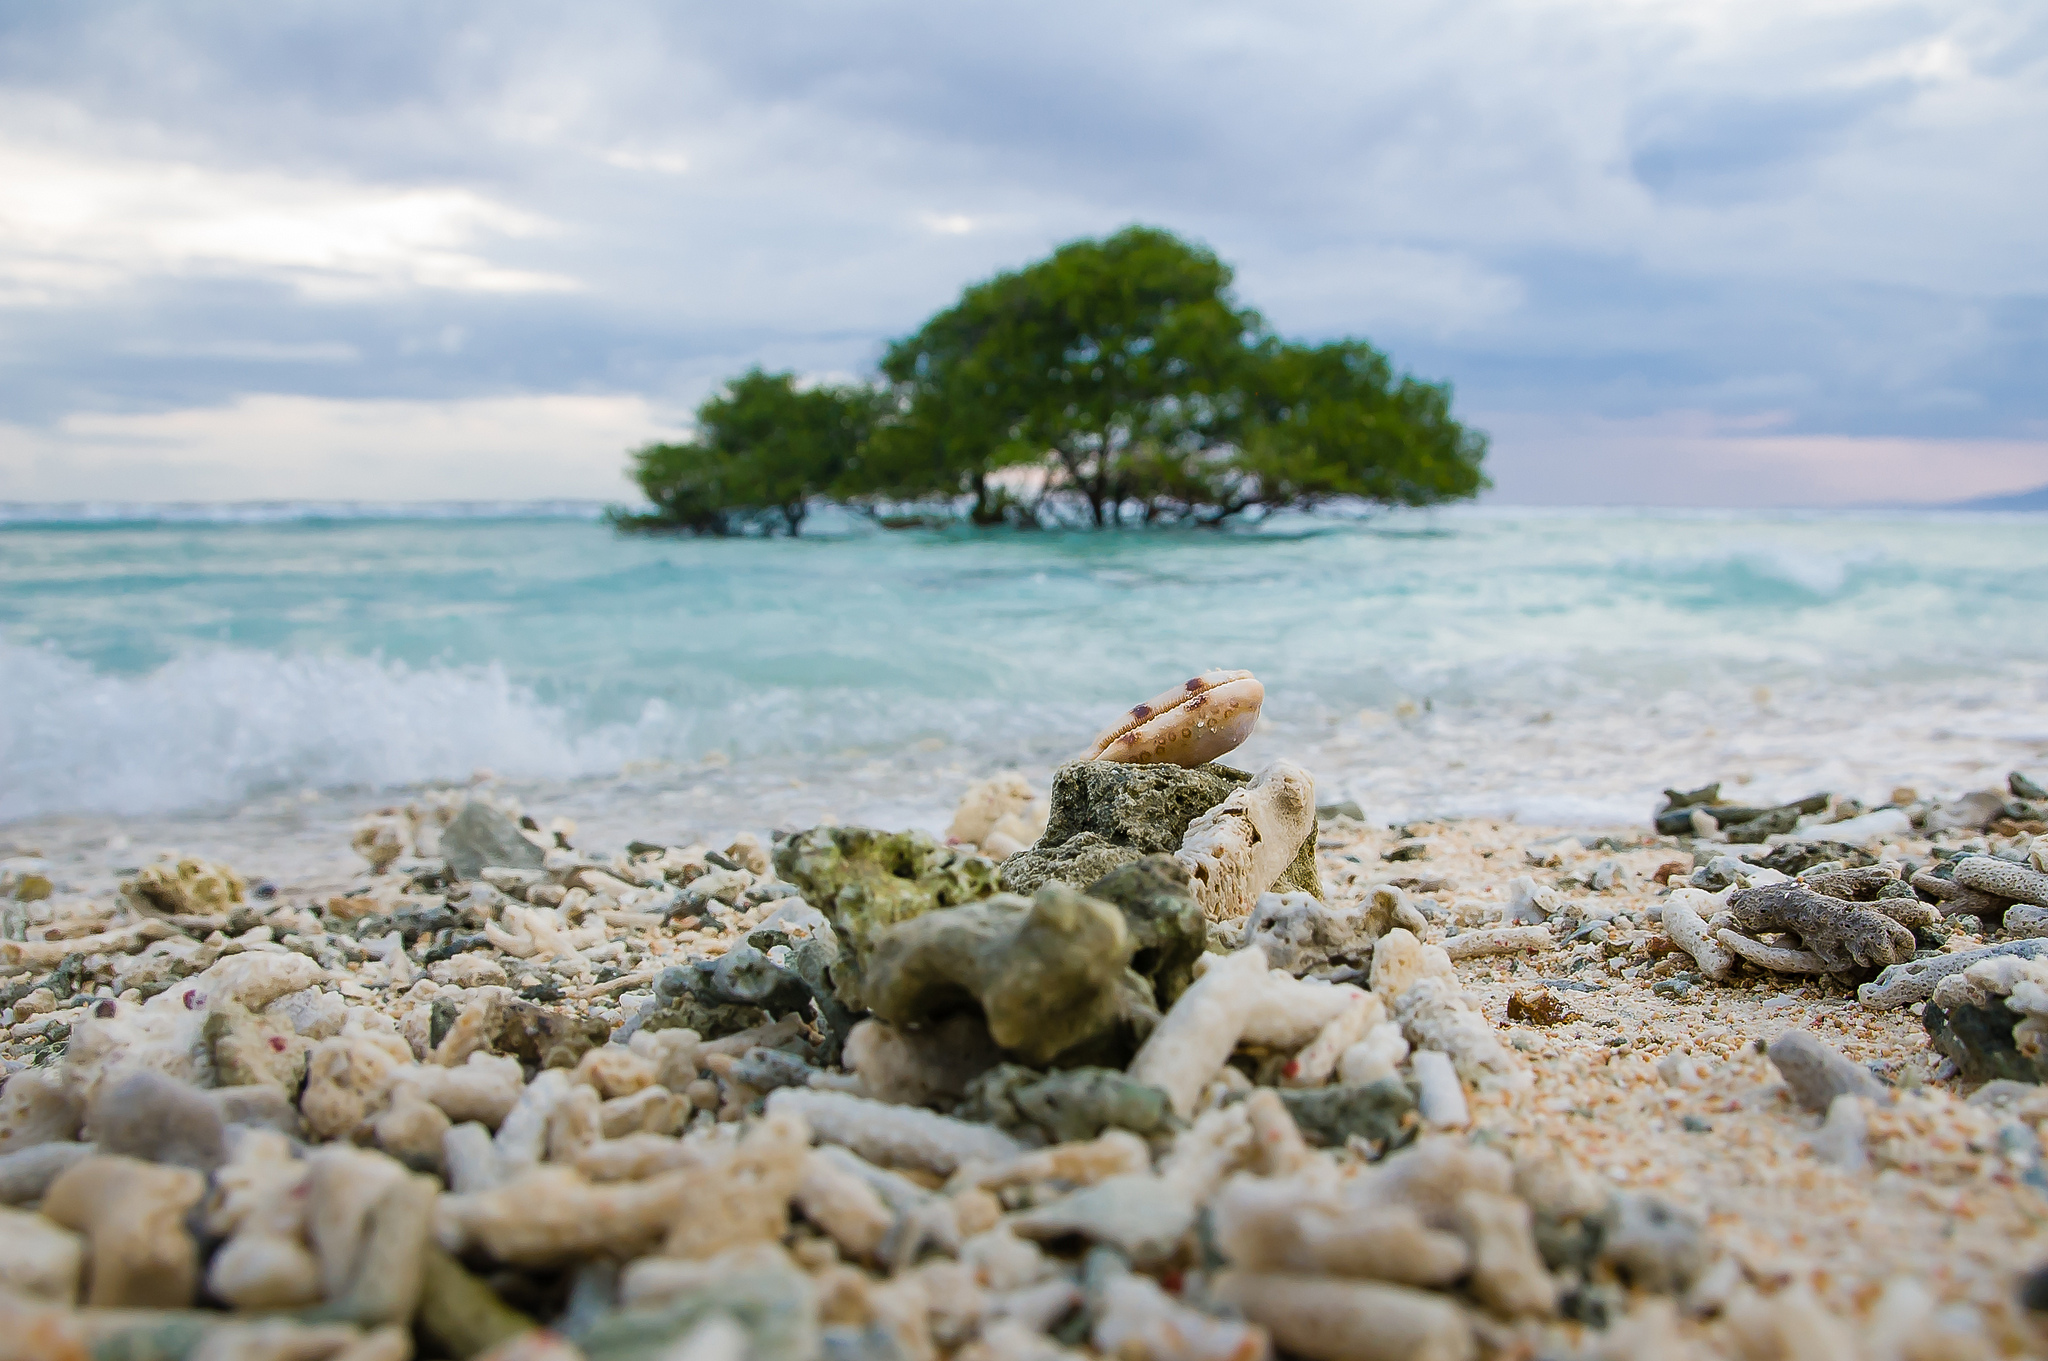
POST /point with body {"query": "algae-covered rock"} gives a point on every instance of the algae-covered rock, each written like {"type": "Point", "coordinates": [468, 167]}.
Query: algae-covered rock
{"type": "Point", "coordinates": [1163, 918]}
{"type": "Point", "coordinates": [1049, 973]}
{"type": "Point", "coordinates": [1378, 1112]}
{"type": "Point", "coordinates": [1979, 1039]}
{"type": "Point", "coordinates": [1055, 1108]}
{"type": "Point", "coordinates": [683, 1000]}
{"type": "Point", "coordinates": [547, 1039]}
{"type": "Point", "coordinates": [864, 880]}
{"type": "Point", "coordinates": [1106, 814]}
{"type": "Point", "coordinates": [189, 886]}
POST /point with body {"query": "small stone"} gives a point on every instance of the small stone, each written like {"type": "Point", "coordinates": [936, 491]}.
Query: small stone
{"type": "Point", "coordinates": [1399, 960]}
{"type": "Point", "coordinates": [188, 887]}
{"type": "Point", "coordinates": [1815, 1073]}
{"type": "Point", "coordinates": [1440, 1095]}
{"type": "Point", "coordinates": [159, 1119]}
{"type": "Point", "coordinates": [1138, 1213]}
{"type": "Point", "coordinates": [38, 1107]}
{"type": "Point", "coordinates": [480, 835]}
{"type": "Point", "coordinates": [1378, 1112]}
{"type": "Point", "coordinates": [1842, 1136]}
{"type": "Point", "coordinates": [38, 1259]}
{"type": "Point", "coordinates": [26, 1174]}
{"type": "Point", "coordinates": [133, 1215]}
{"type": "Point", "coordinates": [1653, 1244]}
{"type": "Point", "coordinates": [1299, 934]}
{"type": "Point", "coordinates": [1539, 1006]}
{"type": "Point", "coordinates": [1068, 1106]}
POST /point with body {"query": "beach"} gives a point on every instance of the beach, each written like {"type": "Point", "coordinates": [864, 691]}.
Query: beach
{"type": "Point", "coordinates": [1491, 713]}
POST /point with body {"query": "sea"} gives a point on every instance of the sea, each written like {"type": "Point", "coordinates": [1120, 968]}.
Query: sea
{"type": "Point", "coordinates": [249, 680]}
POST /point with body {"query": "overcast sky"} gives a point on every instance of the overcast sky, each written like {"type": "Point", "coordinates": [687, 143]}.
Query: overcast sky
{"type": "Point", "coordinates": [1705, 251]}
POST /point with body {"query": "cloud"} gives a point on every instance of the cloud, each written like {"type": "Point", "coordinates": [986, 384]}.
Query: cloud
{"type": "Point", "coordinates": [1695, 458]}
{"type": "Point", "coordinates": [1576, 210]}
{"type": "Point", "coordinates": [72, 224]}
{"type": "Point", "coordinates": [283, 447]}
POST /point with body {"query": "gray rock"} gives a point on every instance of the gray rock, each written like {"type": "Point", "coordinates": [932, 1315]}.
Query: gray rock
{"type": "Point", "coordinates": [1815, 1073]}
{"type": "Point", "coordinates": [27, 1174]}
{"type": "Point", "coordinates": [1904, 984]}
{"type": "Point", "coordinates": [1106, 814]}
{"type": "Point", "coordinates": [159, 1119]}
{"type": "Point", "coordinates": [1299, 934]}
{"type": "Point", "coordinates": [2024, 788]}
{"type": "Point", "coordinates": [1653, 1244]}
{"type": "Point", "coordinates": [261, 1105]}
{"type": "Point", "coordinates": [480, 835]}
{"type": "Point", "coordinates": [1079, 1103]}
{"type": "Point", "coordinates": [1167, 927]}
{"type": "Point", "coordinates": [1977, 1037]}
{"type": "Point", "coordinates": [743, 976]}
{"type": "Point", "coordinates": [1973, 812]}
{"type": "Point", "coordinates": [1376, 1112]}
{"type": "Point", "coordinates": [767, 1070]}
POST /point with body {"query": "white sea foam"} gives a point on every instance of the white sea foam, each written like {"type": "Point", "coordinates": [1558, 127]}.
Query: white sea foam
{"type": "Point", "coordinates": [212, 727]}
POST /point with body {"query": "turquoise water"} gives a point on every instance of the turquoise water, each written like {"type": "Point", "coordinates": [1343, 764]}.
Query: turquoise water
{"type": "Point", "coordinates": [160, 666]}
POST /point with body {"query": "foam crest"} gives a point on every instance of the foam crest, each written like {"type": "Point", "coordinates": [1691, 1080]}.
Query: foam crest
{"type": "Point", "coordinates": [212, 727]}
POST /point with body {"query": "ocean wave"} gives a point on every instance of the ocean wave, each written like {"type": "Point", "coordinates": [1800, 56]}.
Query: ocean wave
{"type": "Point", "coordinates": [217, 726]}
{"type": "Point", "coordinates": [55, 514]}
{"type": "Point", "coordinates": [212, 727]}
{"type": "Point", "coordinates": [1737, 572]}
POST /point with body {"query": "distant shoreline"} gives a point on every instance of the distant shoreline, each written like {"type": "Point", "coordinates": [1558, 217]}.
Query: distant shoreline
{"type": "Point", "coordinates": [107, 514]}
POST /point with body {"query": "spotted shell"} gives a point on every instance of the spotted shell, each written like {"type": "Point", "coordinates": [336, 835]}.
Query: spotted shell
{"type": "Point", "coordinates": [1189, 725]}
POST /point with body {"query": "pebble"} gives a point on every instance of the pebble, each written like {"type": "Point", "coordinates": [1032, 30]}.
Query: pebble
{"type": "Point", "coordinates": [1440, 1095]}
{"type": "Point", "coordinates": [1816, 1073]}
{"type": "Point", "coordinates": [898, 1136]}
{"type": "Point", "coordinates": [160, 1119]}
{"type": "Point", "coordinates": [1323, 1319]}
{"type": "Point", "coordinates": [132, 1214]}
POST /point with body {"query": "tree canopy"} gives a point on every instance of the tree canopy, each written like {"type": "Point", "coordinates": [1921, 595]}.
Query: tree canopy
{"type": "Point", "coordinates": [1116, 380]}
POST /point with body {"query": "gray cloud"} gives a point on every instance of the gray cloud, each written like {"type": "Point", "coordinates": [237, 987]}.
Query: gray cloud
{"type": "Point", "coordinates": [1821, 221]}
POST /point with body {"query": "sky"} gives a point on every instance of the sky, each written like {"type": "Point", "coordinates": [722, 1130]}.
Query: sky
{"type": "Point", "coordinates": [1678, 252]}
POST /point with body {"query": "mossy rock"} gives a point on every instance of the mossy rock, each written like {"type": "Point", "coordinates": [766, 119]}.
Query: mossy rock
{"type": "Point", "coordinates": [1164, 920]}
{"type": "Point", "coordinates": [1080, 1103]}
{"type": "Point", "coordinates": [1980, 1041]}
{"type": "Point", "coordinates": [1108, 814]}
{"type": "Point", "coordinates": [865, 880]}
{"type": "Point", "coordinates": [1048, 973]}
